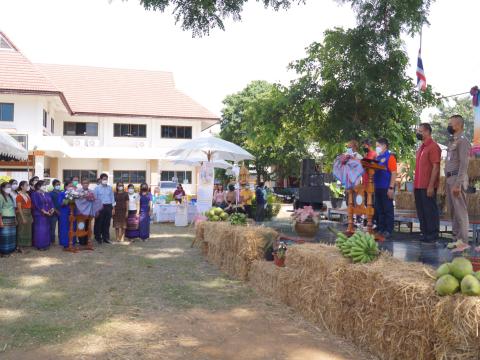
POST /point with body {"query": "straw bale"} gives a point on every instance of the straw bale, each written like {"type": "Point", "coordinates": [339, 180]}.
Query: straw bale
{"type": "Point", "coordinates": [457, 321]}
{"type": "Point", "coordinates": [405, 200]}
{"type": "Point", "coordinates": [199, 232]}
{"type": "Point", "coordinates": [441, 185]}
{"type": "Point", "coordinates": [386, 307]}
{"type": "Point", "coordinates": [473, 168]}
{"type": "Point", "coordinates": [234, 248]}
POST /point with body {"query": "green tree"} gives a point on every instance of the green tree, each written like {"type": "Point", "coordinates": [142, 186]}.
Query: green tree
{"type": "Point", "coordinates": [257, 119]}
{"type": "Point", "coordinates": [439, 121]}
{"type": "Point", "coordinates": [355, 84]}
{"type": "Point", "coordinates": [200, 16]}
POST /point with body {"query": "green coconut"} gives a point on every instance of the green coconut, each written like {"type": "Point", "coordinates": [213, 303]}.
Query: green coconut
{"type": "Point", "coordinates": [447, 285]}
{"type": "Point", "coordinates": [470, 286]}
{"type": "Point", "coordinates": [443, 269]}
{"type": "Point", "coordinates": [461, 267]}
{"type": "Point", "coordinates": [477, 275]}
{"type": "Point", "coordinates": [218, 211]}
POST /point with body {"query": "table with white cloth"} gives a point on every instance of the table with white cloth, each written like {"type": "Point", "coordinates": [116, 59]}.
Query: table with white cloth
{"type": "Point", "coordinates": [166, 212]}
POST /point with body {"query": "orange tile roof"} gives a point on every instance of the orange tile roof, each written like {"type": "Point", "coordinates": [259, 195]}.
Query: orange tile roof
{"type": "Point", "coordinates": [100, 91]}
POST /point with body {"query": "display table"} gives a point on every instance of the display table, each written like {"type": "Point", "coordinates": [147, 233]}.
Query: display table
{"type": "Point", "coordinates": [166, 212]}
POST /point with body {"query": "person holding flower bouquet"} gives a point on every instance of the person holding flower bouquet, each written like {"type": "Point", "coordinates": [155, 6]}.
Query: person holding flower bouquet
{"type": "Point", "coordinates": [42, 211]}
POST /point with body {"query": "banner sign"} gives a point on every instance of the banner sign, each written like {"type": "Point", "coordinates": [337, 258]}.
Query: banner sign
{"type": "Point", "coordinates": [205, 187]}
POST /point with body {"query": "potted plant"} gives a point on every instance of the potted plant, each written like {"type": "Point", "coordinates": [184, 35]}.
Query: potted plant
{"type": "Point", "coordinates": [306, 221]}
{"type": "Point", "coordinates": [407, 174]}
{"type": "Point", "coordinates": [336, 194]}
{"type": "Point", "coordinates": [280, 254]}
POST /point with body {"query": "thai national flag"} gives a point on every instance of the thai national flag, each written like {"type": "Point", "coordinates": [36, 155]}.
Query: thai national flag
{"type": "Point", "coordinates": [421, 79]}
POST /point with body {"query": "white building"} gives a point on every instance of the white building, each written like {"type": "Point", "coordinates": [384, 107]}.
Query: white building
{"type": "Point", "coordinates": [78, 120]}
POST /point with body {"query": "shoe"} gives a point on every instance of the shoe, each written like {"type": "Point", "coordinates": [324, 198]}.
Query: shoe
{"type": "Point", "coordinates": [107, 241]}
{"type": "Point", "coordinates": [99, 242]}
{"type": "Point", "coordinates": [387, 235]}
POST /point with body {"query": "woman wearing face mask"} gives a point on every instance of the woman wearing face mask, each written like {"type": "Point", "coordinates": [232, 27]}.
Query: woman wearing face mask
{"type": "Point", "coordinates": [8, 221]}
{"type": "Point", "coordinates": [57, 204]}
{"type": "Point", "coordinates": [42, 211]}
{"type": "Point", "coordinates": [24, 216]}
{"type": "Point", "coordinates": [145, 212]}
{"type": "Point", "coordinates": [32, 183]}
{"type": "Point", "coordinates": [14, 185]}
{"type": "Point", "coordinates": [133, 211]}
{"type": "Point", "coordinates": [120, 213]}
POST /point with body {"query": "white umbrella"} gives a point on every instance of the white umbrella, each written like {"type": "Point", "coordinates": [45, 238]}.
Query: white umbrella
{"type": "Point", "coordinates": [11, 149]}
{"type": "Point", "coordinates": [220, 164]}
{"type": "Point", "coordinates": [211, 147]}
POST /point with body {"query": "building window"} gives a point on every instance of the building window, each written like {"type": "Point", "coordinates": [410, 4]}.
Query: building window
{"type": "Point", "coordinates": [80, 129]}
{"type": "Point", "coordinates": [177, 132]}
{"type": "Point", "coordinates": [91, 175]}
{"type": "Point", "coordinates": [6, 112]}
{"type": "Point", "coordinates": [21, 139]}
{"type": "Point", "coordinates": [52, 125]}
{"type": "Point", "coordinates": [180, 176]}
{"type": "Point", "coordinates": [129, 176]}
{"type": "Point", "coordinates": [130, 130]}
{"type": "Point", "coordinates": [45, 118]}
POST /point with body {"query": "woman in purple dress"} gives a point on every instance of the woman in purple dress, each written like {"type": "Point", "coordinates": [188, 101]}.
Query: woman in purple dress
{"type": "Point", "coordinates": [145, 212]}
{"type": "Point", "coordinates": [42, 210]}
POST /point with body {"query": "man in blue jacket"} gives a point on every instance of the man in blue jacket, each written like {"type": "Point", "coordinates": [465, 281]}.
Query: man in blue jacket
{"type": "Point", "coordinates": [261, 201]}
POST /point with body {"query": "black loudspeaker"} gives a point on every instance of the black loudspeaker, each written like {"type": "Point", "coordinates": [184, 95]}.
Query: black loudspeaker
{"type": "Point", "coordinates": [308, 169]}
{"type": "Point", "coordinates": [316, 180]}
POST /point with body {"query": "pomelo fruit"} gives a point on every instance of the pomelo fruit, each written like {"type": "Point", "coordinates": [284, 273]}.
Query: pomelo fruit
{"type": "Point", "coordinates": [460, 267]}
{"type": "Point", "coordinates": [224, 216]}
{"type": "Point", "coordinates": [211, 212]}
{"type": "Point", "coordinates": [443, 269]}
{"type": "Point", "coordinates": [447, 285]}
{"type": "Point", "coordinates": [470, 286]}
{"type": "Point", "coordinates": [215, 218]}
{"type": "Point", "coordinates": [218, 211]}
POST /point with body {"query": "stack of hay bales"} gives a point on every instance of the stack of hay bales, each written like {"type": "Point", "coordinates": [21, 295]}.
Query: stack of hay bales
{"type": "Point", "coordinates": [234, 248]}
{"type": "Point", "coordinates": [384, 307]}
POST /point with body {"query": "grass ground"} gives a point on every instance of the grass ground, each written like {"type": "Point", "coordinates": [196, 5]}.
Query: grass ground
{"type": "Point", "coordinates": [146, 300]}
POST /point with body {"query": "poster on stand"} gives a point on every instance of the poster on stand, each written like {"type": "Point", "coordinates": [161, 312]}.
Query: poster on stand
{"type": "Point", "coordinates": [476, 133]}
{"type": "Point", "coordinates": [205, 187]}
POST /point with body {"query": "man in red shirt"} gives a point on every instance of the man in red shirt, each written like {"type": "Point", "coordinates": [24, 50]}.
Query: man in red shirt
{"type": "Point", "coordinates": [427, 176]}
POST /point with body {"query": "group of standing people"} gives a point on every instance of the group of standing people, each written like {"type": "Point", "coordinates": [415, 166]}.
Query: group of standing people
{"type": "Point", "coordinates": [32, 216]}
{"type": "Point", "coordinates": [426, 181]}
{"type": "Point", "coordinates": [242, 201]}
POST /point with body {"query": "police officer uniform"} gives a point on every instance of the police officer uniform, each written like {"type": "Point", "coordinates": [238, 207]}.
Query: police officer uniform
{"type": "Point", "coordinates": [456, 175]}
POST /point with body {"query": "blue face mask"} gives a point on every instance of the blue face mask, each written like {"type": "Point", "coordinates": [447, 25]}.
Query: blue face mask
{"type": "Point", "coordinates": [349, 151]}
{"type": "Point", "coordinates": [57, 187]}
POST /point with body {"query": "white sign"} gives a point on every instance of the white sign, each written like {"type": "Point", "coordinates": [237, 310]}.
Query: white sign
{"type": "Point", "coordinates": [205, 187]}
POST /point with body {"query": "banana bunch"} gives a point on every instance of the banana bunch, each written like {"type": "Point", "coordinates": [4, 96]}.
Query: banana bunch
{"type": "Point", "coordinates": [360, 247]}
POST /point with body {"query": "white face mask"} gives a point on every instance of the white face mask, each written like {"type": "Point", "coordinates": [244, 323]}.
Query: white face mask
{"type": "Point", "coordinates": [8, 190]}
{"type": "Point", "coordinates": [349, 151]}
{"type": "Point", "coordinates": [57, 187]}
{"type": "Point", "coordinates": [378, 150]}
{"type": "Point", "coordinates": [120, 188]}
{"type": "Point", "coordinates": [131, 191]}
{"type": "Point", "coordinates": [43, 188]}
{"type": "Point", "coordinates": [14, 186]}
{"type": "Point", "coordinates": [104, 182]}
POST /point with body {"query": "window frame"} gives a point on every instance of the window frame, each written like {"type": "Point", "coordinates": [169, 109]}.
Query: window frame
{"type": "Point", "coordinates": [81, 174]}
{"type": "Point", "coordinates": [52, 125]}
{"type": "Point", "coordinates": [175, 174]}
{"type": "Point", "coordinates": [186, 129]}
{"type": "Point", "coordinates": [118, 176]}
{"type": "Point", "coordinates": [129, 130]}
{"type": "Point", "coordinates": [79, 122]}
{"type": "Point", "coordinates": [13, 111]}
{"type": "Point", "coordinates": [45, 119]}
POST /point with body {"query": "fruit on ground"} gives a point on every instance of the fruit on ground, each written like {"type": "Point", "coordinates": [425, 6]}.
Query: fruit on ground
{"type": "Point", "coordinates": [447, 285]}
{"type": "Point", "coordinates": [461, 267]}
{"type": "Point", "coordinates": [470, 286]}
{"type": "Point", "coordinates": [443, 269]}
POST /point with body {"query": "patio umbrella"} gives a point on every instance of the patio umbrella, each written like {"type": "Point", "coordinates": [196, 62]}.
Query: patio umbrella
{"type": "Point", "coordinates": [220, 164]}
{"type": "Point", "coordinates": [211, 147]}
{"type": "Point", "coordinates": [10, 149]}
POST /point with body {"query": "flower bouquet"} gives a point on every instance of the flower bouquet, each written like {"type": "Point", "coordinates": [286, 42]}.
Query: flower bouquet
{"type": "Point", "coordinates": [71, 196]}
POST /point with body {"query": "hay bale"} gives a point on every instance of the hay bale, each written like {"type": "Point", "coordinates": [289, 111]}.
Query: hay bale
{"type": "Point", "coordinates": [199, 233]}
{"type": "Point", "coordinates": [405, 200]}
{"type": "Point", "coordinates": [441, 185]}
{"type": "Point", "coordinates": [234, 248]}
{"type": "Point", "coordinates": [457, 321]}
{"type": "Point", "coordinates": [386, 307]}
{"type": "Point", "coordinates": [473, 168]}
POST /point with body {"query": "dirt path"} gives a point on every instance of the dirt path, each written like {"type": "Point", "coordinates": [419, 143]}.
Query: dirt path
{"type": "Point", "coordinates": [152, 300]}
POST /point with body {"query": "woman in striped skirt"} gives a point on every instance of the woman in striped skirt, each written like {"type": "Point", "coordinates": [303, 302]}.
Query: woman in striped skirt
{"type": "Point", "coordinates": [8, 222]}
{"type": "Point", "coordinates": [24, 216]}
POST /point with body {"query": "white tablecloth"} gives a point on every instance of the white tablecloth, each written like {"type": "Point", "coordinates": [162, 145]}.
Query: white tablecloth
{"type": "Point", "coordinates": [166, 213]}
